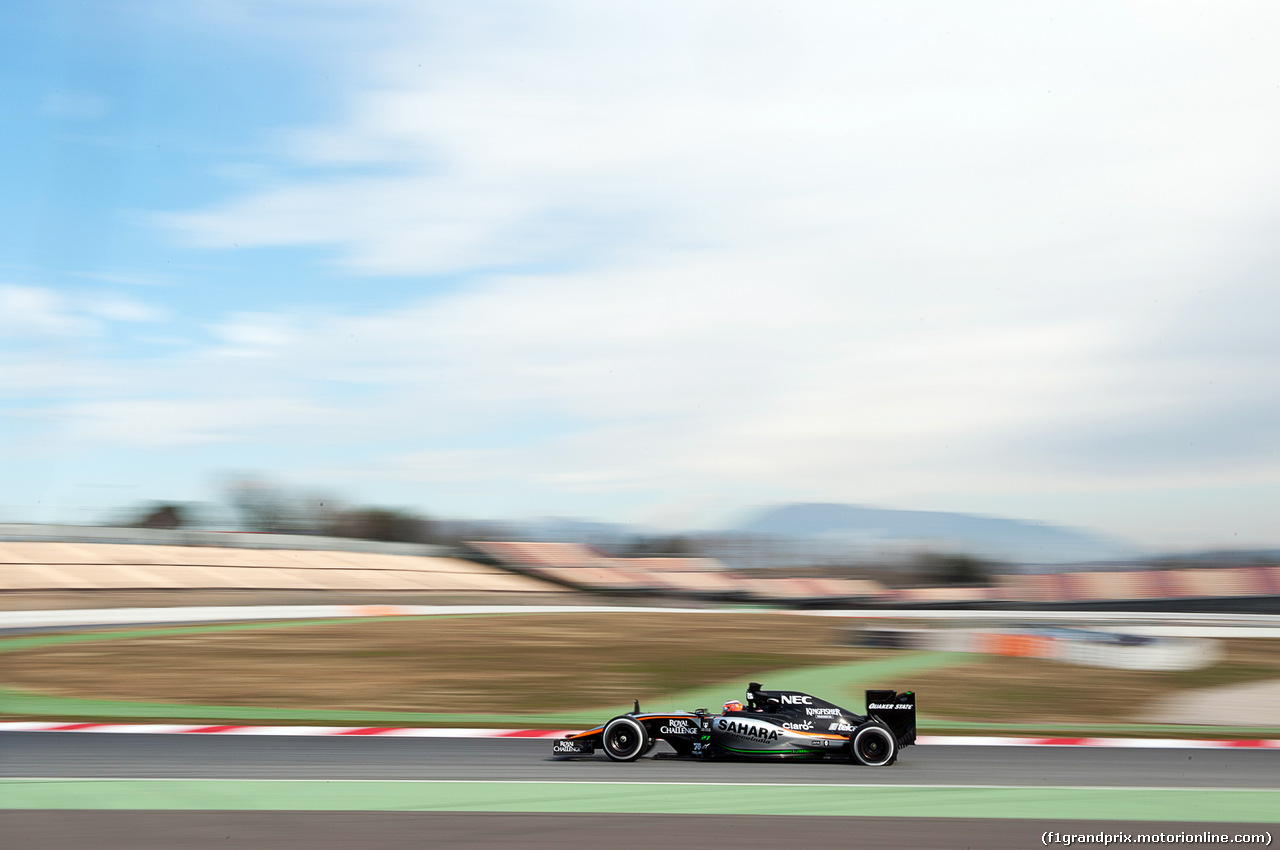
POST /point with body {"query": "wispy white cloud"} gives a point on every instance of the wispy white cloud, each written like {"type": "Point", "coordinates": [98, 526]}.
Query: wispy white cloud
{"type": "Point", "coordinates": [164, 423]}
{"type": "Point", "coordinates": [839, 252]}
{"type": "Point", "coordinates": [252, 335]}
{"type": "Point", "coordinates": [31, 311]}
{"type": "Point", "coordinates": [937, 134]}
{"type": "Point", "coordinates": [53, 345]}
{"type": "Point", "coordinates": [128, 278]}
{"type": "Point", "coordinates": [114, 308]}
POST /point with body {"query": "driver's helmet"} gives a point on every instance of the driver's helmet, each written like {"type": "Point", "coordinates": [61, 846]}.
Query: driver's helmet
{"type": "Point", "coordinates": [732, 705]}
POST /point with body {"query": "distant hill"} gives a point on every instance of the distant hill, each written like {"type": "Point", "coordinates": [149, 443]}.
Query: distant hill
{"type": "Point", "coordinates": [995, 537]}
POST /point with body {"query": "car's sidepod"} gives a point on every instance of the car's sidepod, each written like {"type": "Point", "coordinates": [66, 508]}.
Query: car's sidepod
{"type": "Point", "coordinates": [758, 735]}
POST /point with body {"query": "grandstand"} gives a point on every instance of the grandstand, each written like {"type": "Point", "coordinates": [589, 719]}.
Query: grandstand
{"type": "Point", "coordinates": [584, 568]}
{"type": "Point", "coordinates": [1254, 582]}
{"type": "Point", "coordinates": [50, 567]}
{"type": "Point", "coordinates": [244, 566]}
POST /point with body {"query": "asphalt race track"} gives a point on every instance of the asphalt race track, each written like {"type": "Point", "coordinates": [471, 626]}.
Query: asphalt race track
{"type": "Point", "coordinates": [53, 754]}
{"type": "Point", "coordinates": [336, 792]}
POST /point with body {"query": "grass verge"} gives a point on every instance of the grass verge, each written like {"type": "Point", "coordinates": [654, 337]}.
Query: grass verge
{"type": "Point", "coordinates": [563, 671]}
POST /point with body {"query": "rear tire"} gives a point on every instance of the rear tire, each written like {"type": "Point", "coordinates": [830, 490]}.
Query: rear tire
{"type": "Point", "coordinates": [873, 745]}
{"type": "Point", "coordinates": [625, 739]}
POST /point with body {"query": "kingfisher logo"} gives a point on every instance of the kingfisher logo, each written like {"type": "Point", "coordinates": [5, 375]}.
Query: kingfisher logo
{"type": "Point", "coordinates": [747, 730]}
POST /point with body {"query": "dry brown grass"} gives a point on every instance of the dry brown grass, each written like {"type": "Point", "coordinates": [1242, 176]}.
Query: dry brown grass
{"type": "Point", "coordinates": [460, 664]}
{"type": "Point", "coordinates": [1031, 690]}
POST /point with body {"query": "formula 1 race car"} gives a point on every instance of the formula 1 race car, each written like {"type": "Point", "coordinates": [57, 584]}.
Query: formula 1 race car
{"type": "Point", "coordinates": [772, 725]}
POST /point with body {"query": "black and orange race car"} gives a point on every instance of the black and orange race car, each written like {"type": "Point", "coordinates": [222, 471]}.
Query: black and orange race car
{"type": "Point", "coordinates": [771, 725]}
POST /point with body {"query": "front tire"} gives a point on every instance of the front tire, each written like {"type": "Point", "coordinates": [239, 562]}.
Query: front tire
{"type": "Point", "coordinates": [873, 745]}
{"type": "Point", "coordinates": [625, 739]}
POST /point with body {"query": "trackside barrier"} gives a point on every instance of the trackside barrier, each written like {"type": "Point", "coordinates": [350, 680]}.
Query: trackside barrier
{"type": "Point", "coordinates": [1154, 624]}
{"type": "Point", "coordinates": [1121, 651]}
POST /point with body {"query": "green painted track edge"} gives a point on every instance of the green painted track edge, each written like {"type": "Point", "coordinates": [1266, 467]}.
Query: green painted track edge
{"type": "Point", "coordinates": [1133, 804]}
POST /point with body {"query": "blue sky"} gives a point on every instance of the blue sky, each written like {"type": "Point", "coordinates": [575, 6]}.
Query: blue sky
{"type": "Point", "coordinates": [646, 262]}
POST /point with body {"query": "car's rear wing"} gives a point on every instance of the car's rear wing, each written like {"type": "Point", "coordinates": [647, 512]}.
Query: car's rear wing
{"type": "Point", "coordinates": [895, 710]}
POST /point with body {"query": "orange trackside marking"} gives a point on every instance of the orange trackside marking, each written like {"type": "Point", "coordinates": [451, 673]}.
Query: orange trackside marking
{"type": "Point", "coordinates": [379, 611]}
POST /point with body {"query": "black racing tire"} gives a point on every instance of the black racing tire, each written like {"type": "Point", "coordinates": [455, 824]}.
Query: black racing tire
{"type": "Point", "coordinates": [873, 745]}
{"type": "Point", "coordinates": [624, 739]}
